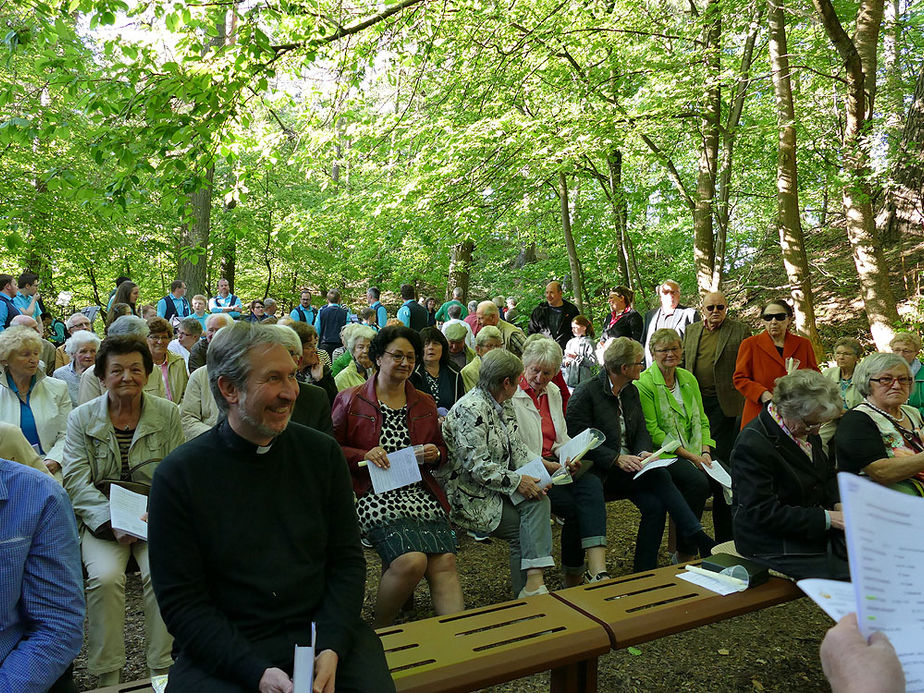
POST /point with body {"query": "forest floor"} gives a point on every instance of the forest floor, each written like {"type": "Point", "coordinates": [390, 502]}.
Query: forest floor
{"type": "Point", "coordinates": [775, 649]}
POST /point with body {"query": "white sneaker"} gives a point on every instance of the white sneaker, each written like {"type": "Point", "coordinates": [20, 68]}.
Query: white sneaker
{"type": "Point", "coordinates": [542, 589]}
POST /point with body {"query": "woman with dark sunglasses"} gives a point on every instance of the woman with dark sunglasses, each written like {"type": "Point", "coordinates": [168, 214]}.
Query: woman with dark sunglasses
{"type": "Point", "coordinates": [773, 353]}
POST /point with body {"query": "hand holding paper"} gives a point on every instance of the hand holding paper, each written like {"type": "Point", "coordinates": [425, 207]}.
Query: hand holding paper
{"type": "Point", "coordinates": [126, 510]}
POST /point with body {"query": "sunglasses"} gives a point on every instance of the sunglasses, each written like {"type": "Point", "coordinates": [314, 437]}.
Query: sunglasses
{"type": "Point", "coordinates": [719, 307]}
{"type": "Point", "coordinates": [767, 317]}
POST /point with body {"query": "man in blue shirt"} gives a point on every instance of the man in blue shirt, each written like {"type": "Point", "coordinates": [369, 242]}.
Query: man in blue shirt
{"type": "Point", "coordinates": [411, 313]}
{"type": "Point", "coordinates": [303, 312]}
{"type": "Point", "coordinates": [41, 585]}
{"type": "Point", "coordinates": [329, 321]}
{"type": "Point", "coordinates": [175, 304]}
{"type": "Point", "coordinates": [225, 301]}
{"type": "Point", "coordinates": [27, 297]}
{"type": "Point", "coordinates": [8, 309]}
{"type": "Point", "coordinates": [372, 298]}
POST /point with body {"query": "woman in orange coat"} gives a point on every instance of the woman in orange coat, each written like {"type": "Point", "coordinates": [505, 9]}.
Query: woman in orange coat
{"type": "Point", "coordinates": [769, 355]}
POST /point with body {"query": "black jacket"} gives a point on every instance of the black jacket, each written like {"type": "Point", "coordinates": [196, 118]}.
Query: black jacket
{"type": "Point", "coordinates": [593, 405]}
{"type": "Point", "coordinates": [539, 322]}
{"type": "Point", "coordinates": [629, 325]}
{"type": "Point", "coordinates": [451, 387]}
{"type": "Point", "coordinates": [780, 494]}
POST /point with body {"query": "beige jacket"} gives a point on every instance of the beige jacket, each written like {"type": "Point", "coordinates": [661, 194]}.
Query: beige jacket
{"type": "Point", "coordinates": [198, 411]}
{"type": "Point", "coordinates": [50, 402]}
{"type": "Point", "coordinates": [14, 446]}
{"type": "Point", "coordinates": [91, 452]}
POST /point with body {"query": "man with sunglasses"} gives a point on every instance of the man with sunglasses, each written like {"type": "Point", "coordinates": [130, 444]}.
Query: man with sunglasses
{"type": "Point", "coordinates": [671, 315]}
{"type": "Point", "coordinates": [710, 348]}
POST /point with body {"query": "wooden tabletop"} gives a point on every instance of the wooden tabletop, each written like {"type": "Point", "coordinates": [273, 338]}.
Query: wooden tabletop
{"type": "Point", "coordinates": [480, 647]}
{"type": "Point", "coordinates": [649, 605]}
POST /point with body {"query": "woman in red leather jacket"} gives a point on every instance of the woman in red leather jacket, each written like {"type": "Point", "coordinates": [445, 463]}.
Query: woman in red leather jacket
{"type": "Point", "coordinates": [409, 526]}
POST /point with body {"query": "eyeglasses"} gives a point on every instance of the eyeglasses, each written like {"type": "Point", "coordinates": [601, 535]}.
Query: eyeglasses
{"type": "Point", "coordinates": [768, 317]}
{"type": "Point", "coordinates": [719, 307]}
{"type": "Point", "coordinates": [674, 349]}
{"type": "Point", "coordinates": [402, 358]}
{"type": "Point", "coordinates": [889, 381]}
{"type": "Point", "coordinates": [159, 337]}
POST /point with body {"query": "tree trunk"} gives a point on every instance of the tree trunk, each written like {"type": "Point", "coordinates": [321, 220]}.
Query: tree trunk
{"type": "Point", "coordinates": [460, 262]}
{"type": "Point", "coordinates": [789, 221]}
{"type": "Point", "coordinates": [228, 263]}
{"type": "Point", "coordinates": [723, 182]}
{"type": "Point", "coordinates": [573, 260]}
{"type": "Point", "coordinates": [194, 242]}
{"type": "Point", "coordinates": [903, 210]}
{"type": "Point", "coordinates": [861, 230]}
{"type": "Point", "coordinates": [704, 240]}
{"type": "Point", "coordinates": [617, 197]}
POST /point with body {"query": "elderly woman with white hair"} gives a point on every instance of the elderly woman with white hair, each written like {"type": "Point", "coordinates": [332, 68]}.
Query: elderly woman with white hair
{"type": "Point", "coordinates": [786, 512]}
{"type": "Point", "coordinates": [34, 402]}
{"type": "Point", "coordinates": [357, 371]}
{"type": "Point", "coordinates": [486, 452]}
{"type": "Point", "coordinates": [81, 348]}
{"type": "Point", "coordinates": [487, 339]}
{"type": "Point", "coordinates": [537, 404]}
{"type": "Point", "coordinates": [883, 437]}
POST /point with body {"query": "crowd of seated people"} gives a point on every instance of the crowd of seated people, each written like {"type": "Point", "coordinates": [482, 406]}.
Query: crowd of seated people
{"type": "Point", "coordinates": [95, 413]}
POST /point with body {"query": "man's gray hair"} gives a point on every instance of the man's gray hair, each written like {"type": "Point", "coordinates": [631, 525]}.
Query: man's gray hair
{"type": "Point", "coordinates": [457, 293]}
{"type": "Point", "coordinates": [488, 333]}
{"type": "Point", "coordinates": [220, 317]}
{"type": "Point", "coordinates": [621, 352]}
{"type": "Point", "coordinates": [191, 326]}
{"type": "Point", "coordinates": [804, 393]}
{"type": "Point", "coordinates": [358, 332]}
{"type": "Point", "coordinates": [229, 354]}
{"type": "Point", "coordinates": [497, 366]}
{"type": "Point", "coordinates": [129, 325]}
{"type": "Point", "coordinates": [874, 364]}
{"type": "Point", "coordinates": [488, 308]}
{"type": "Point", "coordinates": [544, 352]}
{"type": "Point", "coordinates": [72, 319]}
{"type": "Point", "coordinates": [80, 339]}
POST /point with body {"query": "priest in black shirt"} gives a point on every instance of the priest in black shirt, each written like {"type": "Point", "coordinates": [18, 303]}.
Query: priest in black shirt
{"type": "Point", "coordinates": [253, 536]}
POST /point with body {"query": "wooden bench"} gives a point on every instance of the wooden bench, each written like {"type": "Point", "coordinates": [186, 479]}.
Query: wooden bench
{"type": "Point", "coordinates": [649, 605]}
{"type": "Point", "coordinates": [565, 632]}
{"type": "Point", "coordinates": [502, 642]}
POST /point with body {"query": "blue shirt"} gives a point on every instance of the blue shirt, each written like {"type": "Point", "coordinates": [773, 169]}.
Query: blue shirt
{"type": "Point", "coordinates": [41, 584]}
{"type": "Point", "coordinates": [22, 302]}
{"type": "Point", "coordinates": [26, 418]}
{"type": "Point", "coordinates": [311, 314]}
{"type": "Point", "coordinates": [381, 315]}
{"type": "Point", "coordinates": [229, 300]}
{"type": "Point", "coordinates": [6, 308]}
{"type": "Point", "coordinates": [404, 313]}
{"type": "Point", "coordinates": [180, 305]}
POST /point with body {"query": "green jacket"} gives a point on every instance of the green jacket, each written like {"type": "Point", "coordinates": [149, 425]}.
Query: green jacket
{"type": "Point", "coordinates": [664, 417]}
{"type": "Point", "coordinates": [916, 399]}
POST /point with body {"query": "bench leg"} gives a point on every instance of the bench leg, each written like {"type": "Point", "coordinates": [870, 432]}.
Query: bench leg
{"type": "Point", "coordinates": [577, 677]}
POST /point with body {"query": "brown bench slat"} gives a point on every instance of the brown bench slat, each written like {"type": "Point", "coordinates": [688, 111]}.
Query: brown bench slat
{"type": "Point", "coordinates": [482, 647]}
{"type": "Point", "coordinates": [646, 606]}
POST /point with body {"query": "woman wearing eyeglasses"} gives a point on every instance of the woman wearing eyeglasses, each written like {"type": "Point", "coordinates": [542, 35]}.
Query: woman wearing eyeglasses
{"type": "Point", "coordinates": [673, 408]}
{"type": "Point", "coordinates": [787, 515]}
{"type": "Point", "coordinates": [408, 526]}
{"type": "Point", "coordinates": [882, 437]}
{"type": "Point", "coordinates": [257, 312]}
{"type": "Point", "coordinates": [773, 353]}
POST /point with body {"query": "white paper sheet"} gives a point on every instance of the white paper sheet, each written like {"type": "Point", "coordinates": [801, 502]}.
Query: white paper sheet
{"type": "Point", "coordinates": [885, 543]}
{"type": "Point", "coordinates": [717, 472]}
{"type": "Point", "coordinates": [125, 511]}
{"type": "Point", "coordinates": [574, 449]}
{"type": "Point", "coordinates": [537, 470]}
{"type": "Point", "coordinates": [303, 671]}
{"type": "Point", "coordinates": [655, 464]}
{"type": "Point", "coordinates": [708, 582]}
{"type": "Point", "coordinates": [403, 471]}
{"type": "Point", "coordinates": [836, 598]}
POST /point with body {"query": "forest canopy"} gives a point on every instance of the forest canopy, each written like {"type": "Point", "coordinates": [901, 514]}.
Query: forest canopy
{"type": "Point", "coordinates": [290, 143]}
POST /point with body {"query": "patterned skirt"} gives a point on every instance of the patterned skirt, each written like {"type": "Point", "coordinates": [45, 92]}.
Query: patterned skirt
{"type": "Point", "coordinates": [404, 520]}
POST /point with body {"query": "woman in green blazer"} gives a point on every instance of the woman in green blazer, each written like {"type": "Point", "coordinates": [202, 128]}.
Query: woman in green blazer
{"type": "Point", "coordinates": [673, 408]}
